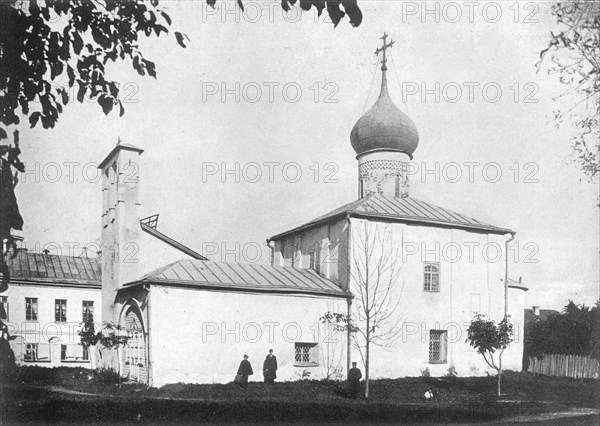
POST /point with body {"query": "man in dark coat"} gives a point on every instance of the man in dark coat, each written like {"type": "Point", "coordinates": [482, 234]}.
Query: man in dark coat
{"type": "Point", "coordinates": [354, 376]}
{"type": "Point", "coordinates": [270, 368]}
{"type": "Point", "coordinates": [244, 371]}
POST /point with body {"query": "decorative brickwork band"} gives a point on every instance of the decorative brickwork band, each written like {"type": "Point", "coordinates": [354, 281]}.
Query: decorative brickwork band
{"type": "Point", "coordinates": [389, 177]}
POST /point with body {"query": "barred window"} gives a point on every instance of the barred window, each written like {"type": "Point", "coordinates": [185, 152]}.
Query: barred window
{"type": "Point", "coordinates": [305, 354]}
{"type": "Point", "coordinates": [31, 308]}
{"type": "Point", "coordinates": [63, 353]}
{"type": "Point", "coordinates": [31, 352]}
{"type": "Point", "coordinates": [87, 308]}
{"type": "Point", "coordinates": [60, 310]}
{"type": "Point", "coordinates": [431, 277]}
{"type": "Point", "coordinates": [438, 346]}
{"type": "Point", "coordinates": [4, 308]}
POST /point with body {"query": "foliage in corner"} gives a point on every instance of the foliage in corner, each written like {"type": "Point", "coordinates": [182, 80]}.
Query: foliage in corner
{"type": "Point", "coordinates": [573, 55]}
{"type": "Point", "coordinates": [44, 42]}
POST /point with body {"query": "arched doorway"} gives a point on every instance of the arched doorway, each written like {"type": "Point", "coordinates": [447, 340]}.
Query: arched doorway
{"type": "Point", "coordinates": [134, 355]}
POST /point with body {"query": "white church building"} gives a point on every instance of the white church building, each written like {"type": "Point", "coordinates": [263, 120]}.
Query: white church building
{"type": "Point", "coordinates": [192, 320]}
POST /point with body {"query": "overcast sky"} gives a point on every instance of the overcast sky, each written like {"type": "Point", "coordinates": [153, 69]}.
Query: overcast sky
{"type": "Point", "coordinates": [484, 106]}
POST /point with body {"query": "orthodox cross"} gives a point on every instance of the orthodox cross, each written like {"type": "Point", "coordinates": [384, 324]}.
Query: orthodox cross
{"type": "Point", "coordinates": [383, 49]}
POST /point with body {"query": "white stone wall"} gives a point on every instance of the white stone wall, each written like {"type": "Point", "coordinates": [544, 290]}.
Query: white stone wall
{"type": "Point", "coordinates": [46, 332]}
{"type": "Point", "coordinates": [471, 270]}
{"type": "Point", "coordinates": [200, 336]}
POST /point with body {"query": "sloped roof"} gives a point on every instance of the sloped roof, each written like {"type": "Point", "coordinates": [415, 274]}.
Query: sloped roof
{"type": "Point", "coordinates": [405, 210]}
{"type": "Point", "coordinates": [38, 267]}
{"type": "Point", "coordinates": [242, 277]}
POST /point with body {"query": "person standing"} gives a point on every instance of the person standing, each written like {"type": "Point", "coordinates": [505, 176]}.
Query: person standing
{"type": "Point", "coordinates": [244, 370]}
{"type": "Point", "coordinates": [270, 368]}
{"type": "Point", "coordinates": [354, 376]}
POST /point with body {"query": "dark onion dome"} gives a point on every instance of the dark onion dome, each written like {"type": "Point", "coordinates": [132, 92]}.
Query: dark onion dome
{"type": "Point", "coordinates": [384, 127]}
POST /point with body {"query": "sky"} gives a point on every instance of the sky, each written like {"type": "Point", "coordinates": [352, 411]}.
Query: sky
{"type": "Point", "coordinates": [247, 133]}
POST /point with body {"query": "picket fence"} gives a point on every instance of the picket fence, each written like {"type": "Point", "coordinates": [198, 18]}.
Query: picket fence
{"type": "Point", "coordinates": [579, 367]}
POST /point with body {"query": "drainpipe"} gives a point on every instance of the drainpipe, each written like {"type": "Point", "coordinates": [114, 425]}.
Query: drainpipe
{"type": "Point", "coordinates": [349, 337]}
{"type": "Point", "coordinates": [149, 348]}
{"type": "Point", "coordinates": [350, 298]}
{"type": "Point", "coordinates": [512, 237]}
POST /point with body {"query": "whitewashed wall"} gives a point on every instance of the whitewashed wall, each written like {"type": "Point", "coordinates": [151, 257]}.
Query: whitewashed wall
{"type": "Point", "coordinates": [467, 275]}
{"type": "Point", "coordinates": [199, 336]}
{"type": "Point", "coordinates": [45, 331]}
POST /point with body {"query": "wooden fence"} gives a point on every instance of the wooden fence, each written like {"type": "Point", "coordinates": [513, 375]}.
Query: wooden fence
{"type": "Point", "coordinates": [579, 367]}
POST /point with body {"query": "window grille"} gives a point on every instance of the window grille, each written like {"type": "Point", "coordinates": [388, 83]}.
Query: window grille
{"type": "Point", "coordinates": [437, 346]}
{"type": "Point", "coordinates": [305, 354]}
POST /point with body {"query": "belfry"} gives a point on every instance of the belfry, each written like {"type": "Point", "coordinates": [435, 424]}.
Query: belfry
{"type": "Point", "coordinates": [384, 139]}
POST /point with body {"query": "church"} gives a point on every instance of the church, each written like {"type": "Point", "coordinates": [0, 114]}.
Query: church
{"type": "Point", "coordinates": [397, 269]}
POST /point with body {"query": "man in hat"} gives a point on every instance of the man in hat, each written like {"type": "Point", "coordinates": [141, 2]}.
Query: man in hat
{"type": "Point", "coordinates": [244, 371]}
{"type": "Point", "coordinates": [354, 376]}
{"type": "Point", "coordinates": [270, 368]}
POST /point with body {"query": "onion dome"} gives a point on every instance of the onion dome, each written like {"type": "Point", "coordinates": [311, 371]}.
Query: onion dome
{"type": "Point", "coordinates": [384, 127]}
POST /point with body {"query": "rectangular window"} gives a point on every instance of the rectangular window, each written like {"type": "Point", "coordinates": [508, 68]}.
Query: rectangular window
{"type": "Point", "coordinates": [31, 352]}
{"type": "Point", "coordinates": [431, 277]}
{"type": "Point", "coordinates": [305, 354]}
{"type": "Point", "coordinates": [87, 310]}
{"type": "Point", "coordinates": [60, 310]}
{"type": "Point", "coordinates": [438, 346]}
{"type": "Point", "coordinates": [31, 308]}
{"type": "Point", "coordinates": [63, 353]}
{"type": "Point", "coordinates": [312, 263]}
{"type": "Point", "coordinates": [4, 308]}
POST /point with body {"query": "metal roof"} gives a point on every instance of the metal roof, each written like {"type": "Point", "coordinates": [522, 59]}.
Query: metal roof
{"type": "Point", "coordinates": [242, 277]}
{"type": "Point", "coordinates": [405, 210]}
{"type": "Point", "coordinates": [38, 267]}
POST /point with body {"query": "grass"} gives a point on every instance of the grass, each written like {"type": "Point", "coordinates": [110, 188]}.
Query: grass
{"type": "Point", "coordinates": [30, 399]}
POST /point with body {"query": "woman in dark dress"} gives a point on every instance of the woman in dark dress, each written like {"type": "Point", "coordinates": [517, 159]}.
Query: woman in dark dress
{"type": "Point", "coordinates": [243, 372]}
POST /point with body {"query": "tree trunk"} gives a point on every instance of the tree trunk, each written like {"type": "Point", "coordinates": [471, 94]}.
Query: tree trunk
{"type": "Point", "coordinates": [499, 371]}
{"type": "Point", "coordinates": [367, 359]}
{"type": "Point", "coordinates": [499, 379]}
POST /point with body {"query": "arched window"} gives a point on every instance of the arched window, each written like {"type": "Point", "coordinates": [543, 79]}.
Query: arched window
{"type": "Point", "coordinates": [431, 277]}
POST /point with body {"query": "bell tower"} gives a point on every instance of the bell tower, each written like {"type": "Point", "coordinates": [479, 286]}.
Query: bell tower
{"type": "Point", "coordinates": [120, 228]}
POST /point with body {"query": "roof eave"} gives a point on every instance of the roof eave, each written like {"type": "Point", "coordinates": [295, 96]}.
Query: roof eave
{"type": "Point", "coordinates": [197, 285]}
{"type": "Point", "coordinates": [479, 229]}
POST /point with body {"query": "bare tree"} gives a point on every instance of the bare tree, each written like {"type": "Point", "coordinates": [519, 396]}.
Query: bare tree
{"type": "Point", "coordinates": [375, 277]}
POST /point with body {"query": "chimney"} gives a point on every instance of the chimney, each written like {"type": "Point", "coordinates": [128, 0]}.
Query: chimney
{"type": "Point", "coordinates": [536, 311]}
{"type": "Point", "coordinates": [120, 223]}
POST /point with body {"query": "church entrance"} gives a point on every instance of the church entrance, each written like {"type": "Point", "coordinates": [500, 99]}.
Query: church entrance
{"type": "Point", "coordinates": [135, 364]}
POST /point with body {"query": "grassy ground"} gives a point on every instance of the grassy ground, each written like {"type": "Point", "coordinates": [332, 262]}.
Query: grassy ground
{"type": "Point", "coordinates": [34, 396]}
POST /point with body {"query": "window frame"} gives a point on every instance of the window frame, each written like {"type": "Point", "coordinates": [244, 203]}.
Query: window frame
{"type": "Point", "coordinates": [312, 352]}
{"type": "Point", "coordinates": [90, 309]}
{"type": "Point", "coordinates": [442, 351]}
{"type": "Point", "coordinates": [60, 310]}
{"type": "Point", "coordinates": [31, 314]}
{"type": "Point", "coordinates": [4, 301]}
{"type": "Point", "coordinates": [28, 347]}
{"type": "Point", "coordinates": [430, 289]}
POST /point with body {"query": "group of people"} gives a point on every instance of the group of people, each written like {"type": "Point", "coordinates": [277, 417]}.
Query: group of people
{"type": "Point", "coordinates": [270, 374]}
{"type": "Point", "coordinates": [245, 370]}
